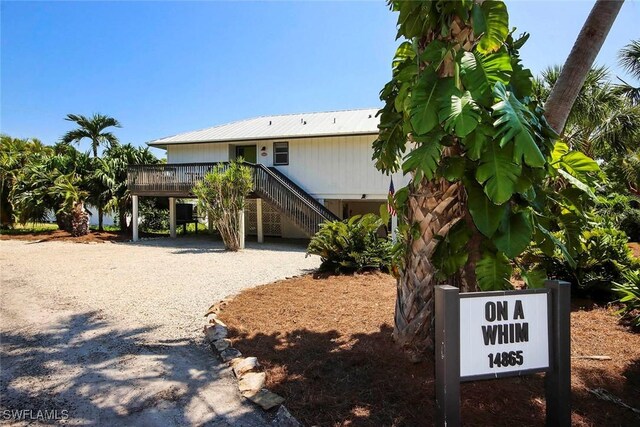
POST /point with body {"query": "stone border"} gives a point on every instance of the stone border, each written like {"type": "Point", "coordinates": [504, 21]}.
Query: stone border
{"type": "Point", "coordinates": [251, 380]}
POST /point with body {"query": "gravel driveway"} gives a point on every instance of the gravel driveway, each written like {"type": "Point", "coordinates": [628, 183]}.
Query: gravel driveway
{"type": "Point", "coordinates": [111, 333]}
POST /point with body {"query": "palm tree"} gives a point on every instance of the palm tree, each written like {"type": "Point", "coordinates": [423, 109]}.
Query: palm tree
{"type": "Point", "coordinates": [15, 155]}
{"type": "Point", "coordinates": [460, 117]}
{"type": "Point", "coordinates": [629, 59]}
{"type": "Point", "coordinates": [602, 123]}
{"type": "Point", "coordinates": [580, 60]}
{"type": "Point", "coordinates": [112, 173]}
{"type": "Point", "coordinates": [93, 128]}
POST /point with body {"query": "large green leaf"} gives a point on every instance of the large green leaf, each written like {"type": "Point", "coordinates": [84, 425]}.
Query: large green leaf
{"type": "Point", "coordinates": [521, 82]}
{"type": "Point", "coordinates": [548, 235]}
{"type": "Point", "coordinates": [578, 165]}
{"type": "Point", "coordinates": [402, 96]}
{"type": "Point", "coordinates": [480, 72]}
{"type": "Point", "coordinates": [498, 172]}
{"type": "Point", "coordinates": [514, 234]}
{"type": "Point", "coordinates": [534, 278]}
{"type": "Point", "coordinates": [403, 52]}
{"type": "Point", "coordinates": [476, 141]}
{"type": "Point", "coordinates": [514, 124]}
{"type": "Point", "coordinates": [407, 72]}
{"type": "Point", "coordinates": [450, 254]}
{"type": "Point", "coordinates": [486, 215]}
{"type": "Point", "coordinates": [560, 148]}
{"type": "Point", "coordinates": [494, 23]}
{"type": "Point", "coordinates": [424, 159]}
{"type": "Point", "coordinates": [453, 168]}
{"type": "Point", "coordinates": [434, 52]}
{"type": "Point", "coordinates": [460, 114]}
{"type": "Point", "coordinates": [577, 183]}
{"type": "Point", "coordinates": [424, 103]}
{"type": "Point", "coordinates": [493, 272]}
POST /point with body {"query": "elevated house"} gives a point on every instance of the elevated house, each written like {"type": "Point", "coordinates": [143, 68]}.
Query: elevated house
{"type": "Point", "coordinates": [307, 168]}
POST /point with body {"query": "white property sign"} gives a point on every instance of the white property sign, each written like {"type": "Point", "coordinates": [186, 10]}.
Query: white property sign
{"type": "Point", "coordinates": [503, 333]}
{"type": "Point", "coordinates": [485, 335]}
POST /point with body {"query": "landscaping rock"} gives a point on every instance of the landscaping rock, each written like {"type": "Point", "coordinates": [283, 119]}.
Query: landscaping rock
{"type": "Point", "coordinates": [222, 344]}
{"type": "Point", "coordinates": [230, 354]}
{"type": "Point", "coordinates": [284, 419]}
{"type": "Point", "coordinates": [215, 320]}
{"type": "Point", "coordinates": [265, 399]}
{"type": "Point", "coordinates": [216, 332]}
{"type": "Point", "coordinates": [252, 382]}
{"type": "Point", "coordinates": [242, 366]}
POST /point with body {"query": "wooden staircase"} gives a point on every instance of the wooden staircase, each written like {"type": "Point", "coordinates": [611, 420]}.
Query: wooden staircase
{"type": "Point", "coordinates": [177, 180]}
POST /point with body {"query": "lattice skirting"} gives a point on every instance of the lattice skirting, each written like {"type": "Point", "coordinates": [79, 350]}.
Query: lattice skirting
{"type": "Point", "coordinates": [271, 223]}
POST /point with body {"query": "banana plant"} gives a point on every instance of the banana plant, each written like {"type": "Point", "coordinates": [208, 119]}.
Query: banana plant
{"type": "Point", "coordinates": [490, 178]}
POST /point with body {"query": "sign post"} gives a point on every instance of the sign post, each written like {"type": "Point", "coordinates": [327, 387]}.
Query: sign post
{"type": "Point", "coordinates": [447, 356]}
{"type": "Point", "coordinates": [485, 335]}
{"type": "Point", "coordinates": [558, 379]}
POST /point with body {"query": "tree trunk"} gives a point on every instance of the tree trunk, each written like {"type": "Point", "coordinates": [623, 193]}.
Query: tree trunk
{"type": "Point", "coordinates": [79, 220]}
{"type": "Point", "coordinates": [122, 219]}
{"type": "Point", "coordinates": [435, 206]}
{"type": "Point", "coordinates": [580, 60]}
{"type": "Point", "coordinates": [100, 218]}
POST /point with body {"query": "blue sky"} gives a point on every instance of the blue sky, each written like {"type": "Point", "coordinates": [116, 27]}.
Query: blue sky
{"type": "Point", "coordinates": [162, 68]}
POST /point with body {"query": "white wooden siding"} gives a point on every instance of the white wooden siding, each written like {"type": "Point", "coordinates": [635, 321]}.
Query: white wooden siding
{"type": "Point", "coordinates": [337, 168]}
{"type": "Point", "coordinates": [326, 167]}
{"type": "Point", "coordinates": [192, 153]}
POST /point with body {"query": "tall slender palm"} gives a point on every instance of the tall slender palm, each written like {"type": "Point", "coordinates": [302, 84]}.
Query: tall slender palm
{"type": "Point", "coordinates": [629, 59]}
{"type": "Point", "coordinates": [580, 60]}
{"type": "Point", "coordinates": [93, 128]}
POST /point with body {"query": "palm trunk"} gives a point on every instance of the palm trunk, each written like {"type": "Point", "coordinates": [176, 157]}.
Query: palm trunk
{"type": "Point", "coordinates": [435, 206]}
{"type": "Point", "coordinates": [580, 60]}
{"type": "Point", "coordinates": [100, 218]}
{"type": "Point", "coordinates": [79, 220]}
{"type": "Point", "coordinates": [122, 219]}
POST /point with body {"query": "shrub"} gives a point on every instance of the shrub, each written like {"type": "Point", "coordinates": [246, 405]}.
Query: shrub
{"type": "Point", "coordinates": [629, 291]}
{"type": "Point", "coordinates": [155, 216]}
{"type": "Point", "coordinates": [222, 194]}
{"type": "Point", "coordinates": [602, 261]}
{"type": "Point", "coordinates": [621, 212]}
{"type": "Point", "coordinates": [352, 245]}
{"type": "Point", "coordinates": [630, 224]}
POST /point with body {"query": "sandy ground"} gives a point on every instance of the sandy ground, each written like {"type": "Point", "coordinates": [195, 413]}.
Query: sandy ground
{"type": "Point", "coordinates": [111, 333]}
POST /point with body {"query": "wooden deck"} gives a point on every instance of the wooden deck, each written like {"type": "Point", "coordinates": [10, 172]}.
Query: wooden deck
{"type": "Point", "coordinates": [170, 180]}
{"type": "Point", "coordinates": [178, 179]}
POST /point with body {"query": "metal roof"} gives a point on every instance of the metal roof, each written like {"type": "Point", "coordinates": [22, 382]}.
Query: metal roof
{"type": "Point", "coordinates": [330, 123]}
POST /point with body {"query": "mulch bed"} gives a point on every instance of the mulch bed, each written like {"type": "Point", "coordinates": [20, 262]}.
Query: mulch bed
{"type": "Point", "coordinates": [326, 346]}
{"type": "Point", "coordinates": [64, 236]}
{"type": "Point", "coordinates": [635, 249]}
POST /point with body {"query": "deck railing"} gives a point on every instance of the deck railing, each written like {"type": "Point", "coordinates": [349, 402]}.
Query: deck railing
{"type": "Point", "coordinates": [177, 180]}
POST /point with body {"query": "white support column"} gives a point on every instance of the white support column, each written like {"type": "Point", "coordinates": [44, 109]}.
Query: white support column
{"type": "Point", "coordinates": [134, 217]}
{"type": "Point", "coordinates": [209, 222]}
{"type": "Point", "coordinates": [394, 228]}
{"type": "Point", "coordinates": [241, 228]}
{"type": "Point", "coordinates": [259, 221]}
{"type": "Point", "coordinates": [172, 216]}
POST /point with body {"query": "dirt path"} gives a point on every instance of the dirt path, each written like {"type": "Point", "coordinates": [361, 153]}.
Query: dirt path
{"type": "Point", "coordinates": [111, 333]}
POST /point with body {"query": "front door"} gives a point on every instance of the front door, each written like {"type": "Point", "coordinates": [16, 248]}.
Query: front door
{"type": "Point", "coordinates": [247, 152]}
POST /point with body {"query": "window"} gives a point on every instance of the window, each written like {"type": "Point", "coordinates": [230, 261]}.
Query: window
{"type": "Point", "coordinates": [280, 153]}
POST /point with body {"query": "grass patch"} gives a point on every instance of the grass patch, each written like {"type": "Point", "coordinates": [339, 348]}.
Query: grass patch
{"type": "Point", "coordinates": [29, 228]}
